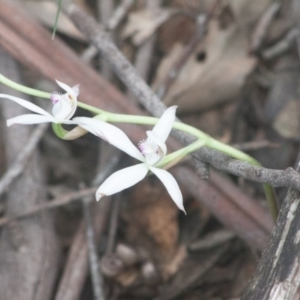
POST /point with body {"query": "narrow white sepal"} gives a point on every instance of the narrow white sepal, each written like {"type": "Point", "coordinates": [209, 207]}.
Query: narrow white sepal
{"type": "Point", "coordinates": [75, 89]}
{"type": "Point", "coordinates": [64, 109]}
{"type": "Point", "coordinates": [171, 185]}
{"type": "Point", "coordinates": [30, 119]}
{"type": "Point", "coordinates": [84, 123]}
{"type": "Point", "coordinates": [111, 134]}
{"type": "Point", "coordinates": [122, 180]}
{"type": "Point", "coordinates": [164, 125]}
{"type": "Point", "coordinates": [158, 141]}
{"type": "Point", "coordinates": [27, 105]}
{"type": "Point", "coordinates": [66, 88]}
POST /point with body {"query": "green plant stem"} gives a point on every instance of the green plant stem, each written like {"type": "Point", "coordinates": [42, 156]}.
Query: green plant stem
{"type": "Point", "coordinates": [208, 141]}
{"type": "Point", "coordinates": [120, 118]}
{"type": "Point", "coordinates": [41, 94]}
{"type": "Point", "coordinates": [56, 18]}
{"type": "Point", "coordinates": [173, 158]}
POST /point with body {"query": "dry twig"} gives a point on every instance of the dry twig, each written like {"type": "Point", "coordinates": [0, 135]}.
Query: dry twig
{"type": "Point", "coordinates": [53, 60]}
{"type": "Point", "coordinates": [141, 90]}
{"type": "Point", "coordinates": [93, 257]}
{"type": "Point", "coordinates": [118, 15]}
{"type": "Point", "coordinates": [18, 166]}
{"type": "Point", "coordinates": [105, 10]}
{"type": "Point", "coordinates": [283, 45]}
{"type": "Point", "coordinates": [145, 52]}
{"type": "Point", "coordinates": [76, 268]}
{"type": "Point", "coordinates": [262, 26]}
{"type": "Point", "coordinates": [55, 203]}
{"type": "Point", "coordinates": [113, 224]}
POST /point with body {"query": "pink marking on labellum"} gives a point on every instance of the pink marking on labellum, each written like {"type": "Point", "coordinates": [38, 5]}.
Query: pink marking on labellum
{"type": "Point", "coordinates": [55, 97]}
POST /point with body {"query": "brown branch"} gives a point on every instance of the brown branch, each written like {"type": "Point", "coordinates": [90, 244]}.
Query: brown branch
{"type": "Point", "coordinates": [113, 224]}
{"type": "Point", "coordinates": [105, 10]}
{"type": "Point", "coordinates": [121, 66]}
{"type": "Point", "coordinates": [57, 202]}
{"type": "Point", "coordinates": [141, 90]}
{"type": "Point", "coordinates": [53, 59]}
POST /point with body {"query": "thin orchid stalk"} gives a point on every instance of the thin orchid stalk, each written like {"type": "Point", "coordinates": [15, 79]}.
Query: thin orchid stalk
{"type": "Point", "coordinates": [42, 94]}
{"type": "Point", "coordinates": [120, 118]}
{"type": "Point", "coordinates": [202, 138]}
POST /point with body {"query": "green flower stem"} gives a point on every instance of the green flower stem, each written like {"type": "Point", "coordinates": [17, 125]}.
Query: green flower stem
{"type": "Point", "coordinates": [271, 200]}
{"type": "Point", "coordinates": [207, 141]}
{"type": "Point", "coordinates": [59, 130]}
{"type": "Point", "coordinates": [174, 157]}
{"type": "Point", "coordinates": [41, 94]}
{"type": "Point", "coordinates": [22, 88]}
{"type": "Point", "coordinates": [203, 138]}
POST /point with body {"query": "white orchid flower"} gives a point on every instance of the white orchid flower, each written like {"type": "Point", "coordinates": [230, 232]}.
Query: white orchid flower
{"type": "Point", "coordinates": [151, 151]}
{"type": "Point", "coordinates": [64, 106]}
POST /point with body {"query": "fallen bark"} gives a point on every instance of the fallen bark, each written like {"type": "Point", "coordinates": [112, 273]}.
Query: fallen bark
{"type": "Point", "coordinates": [278, 273]}
{"type": "Point", "coordinates": [29, 248]}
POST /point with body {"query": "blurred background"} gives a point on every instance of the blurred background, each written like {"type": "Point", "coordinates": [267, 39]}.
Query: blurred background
{"type": "Point", "coordinates": [233, 69]}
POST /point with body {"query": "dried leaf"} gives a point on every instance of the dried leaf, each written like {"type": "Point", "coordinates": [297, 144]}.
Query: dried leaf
{"type": "Point", "coordinates": [217, 78]}
{"type": "Point", "coordinates": [142, 24]}
{"type": "Point", "coordinates": [152, 222]}
{"type": "Point", "coordinates": [287, 123]}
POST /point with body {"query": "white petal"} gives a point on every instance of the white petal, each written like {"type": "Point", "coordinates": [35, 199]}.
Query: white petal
{"type": "Point", "coordinates": [69, 122]}
{"type": "Point", "coordinates": [85, 123]}
{"type": "Point", "coordinates": [111, 134]}
{"type": "Point", "coordinates": [164, 125]}
{"type": "Point", "coordinates": [122, 180]}
{"type": "Point", "coordinates": [30, 119]}
{"type": "Point", "coordinates": [26, 104]}
{"type": "Point", "coordinates": [65, 108]}
{"type": "Point", "coordinates": [66, 88]}
{"type": "Point", "coordinates": [158, 141]}
{"type": "Point", "coordinates": [75, 89]}
{"type": "Point", "coordinates": [171, 185]}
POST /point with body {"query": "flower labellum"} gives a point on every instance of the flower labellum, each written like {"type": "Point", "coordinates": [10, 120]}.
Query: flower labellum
{"type": "Point", "coordinates": [64, 106]}
{"type": "Point", "coordinates": [151, 151]}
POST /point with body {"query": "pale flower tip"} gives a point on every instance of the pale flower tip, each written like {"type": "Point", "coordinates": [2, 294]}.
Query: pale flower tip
{"type": "Point", "coordinates": [9, 123]}
{"type": "Point", "coordinates": [181, 207]}
{"type": "Point", "coordinates": [172, 109]}
{"type": "Point", "coordinates": [76, 89]}
{"type": "Point", "coordinates": [99, 196]}
{"type": "Point", "coordinates": [67, 88]}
